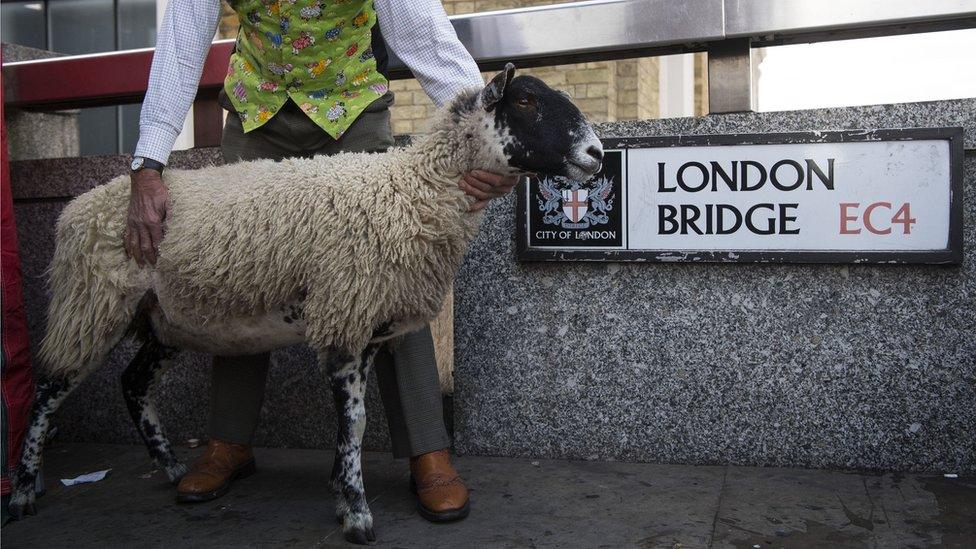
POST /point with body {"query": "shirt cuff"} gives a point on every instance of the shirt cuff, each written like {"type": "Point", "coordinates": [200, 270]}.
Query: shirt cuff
{"type": "Point", "coordinates": [155, 142]}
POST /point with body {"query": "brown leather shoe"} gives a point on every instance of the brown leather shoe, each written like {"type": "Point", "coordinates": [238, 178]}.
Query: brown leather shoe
{"type": "Point", "coordinates": [211, 475]}
{"type": "Point", "coordinates": [441, 494]}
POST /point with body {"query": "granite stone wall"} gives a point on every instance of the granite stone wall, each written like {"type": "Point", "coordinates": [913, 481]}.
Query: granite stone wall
{"type": "Point", "coordinates": [810, 365]}
{"type": "Point", "coordinates": [850, 366]}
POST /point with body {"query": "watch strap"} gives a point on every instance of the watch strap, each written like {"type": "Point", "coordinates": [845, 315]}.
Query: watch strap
{"type": "Point", "coordinates": [152, 165]}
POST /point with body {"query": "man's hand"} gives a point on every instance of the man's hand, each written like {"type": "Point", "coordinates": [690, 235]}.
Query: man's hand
{"type": "Point", "coordinates": [148, 204]}
{"type": "Point", "coordinates": [485, 186]}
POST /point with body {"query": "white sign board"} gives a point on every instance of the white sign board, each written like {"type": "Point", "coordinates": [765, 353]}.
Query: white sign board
{"type": "Point", "coordinates": [868, 196]}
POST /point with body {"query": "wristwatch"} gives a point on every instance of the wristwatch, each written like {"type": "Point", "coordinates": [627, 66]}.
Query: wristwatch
{"type": "Point", "coordinates": [141, 162]}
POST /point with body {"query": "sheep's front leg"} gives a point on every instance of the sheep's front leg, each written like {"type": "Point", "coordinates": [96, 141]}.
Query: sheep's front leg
{"type": "Point", "coordinates": [347, 376]}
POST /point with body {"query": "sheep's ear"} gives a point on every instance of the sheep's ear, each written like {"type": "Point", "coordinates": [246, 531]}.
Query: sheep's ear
{"type": "Point", "coordinates": [495, 89]}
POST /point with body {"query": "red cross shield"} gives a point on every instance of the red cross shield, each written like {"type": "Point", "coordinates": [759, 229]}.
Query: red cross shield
{"type": "Point", "coordinates": [575, 204]}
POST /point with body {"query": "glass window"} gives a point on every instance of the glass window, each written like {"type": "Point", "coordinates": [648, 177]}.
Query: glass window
{"type": "Point", "coordinates": [23, 23]}
{"type": "Point", "coordinates": [77, 27]}
{"type": "Point", "coordinates": [81, 26]}
{"type": "Point", "coordinates": [137, 29]}
{"type": "Point", "coordinates": [129, 127]}
{"type": "Point", "coordinates": [98, 131]}
{"type": "Point", "coordinates": [137, 24]}
{"type": "Point", "coordinates": [87, 26]}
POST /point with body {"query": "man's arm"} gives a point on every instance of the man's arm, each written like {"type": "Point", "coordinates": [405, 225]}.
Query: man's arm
{"type": "Point", "coordinates": [420, 34]}
{"type": "Point", "coordinates": [182, 45]}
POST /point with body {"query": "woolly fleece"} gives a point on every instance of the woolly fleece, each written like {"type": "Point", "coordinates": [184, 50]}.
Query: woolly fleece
{"type": "Point", "coordinates": [359, 239]}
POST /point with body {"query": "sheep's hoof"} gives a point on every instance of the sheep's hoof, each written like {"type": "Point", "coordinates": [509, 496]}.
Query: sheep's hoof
{"type": "Point", "coordinates": [361, 536]}
{"type": "Point", "coordinates": [358, 528]}
{"type": "Point", "coordinates": [22, 502]}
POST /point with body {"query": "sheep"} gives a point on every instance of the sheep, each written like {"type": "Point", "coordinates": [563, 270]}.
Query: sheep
{"type": "Point", "coordinates": [344, 252]}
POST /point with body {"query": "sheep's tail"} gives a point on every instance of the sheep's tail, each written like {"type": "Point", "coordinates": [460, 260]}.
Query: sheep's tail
{"type": "Point", "coordinates": [94, 288]}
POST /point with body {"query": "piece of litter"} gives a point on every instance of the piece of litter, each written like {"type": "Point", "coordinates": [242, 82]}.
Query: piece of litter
{"type": "Point", "coordinates": [90, 477]}
{"type": "Point", "coordinates": [951, 475]}
{"type": "Point", "coordinates": [757, 546]}
{"type": "Point", "coordinates": [193, 442]}
{"type": "Point", "coordinates": [149, 474]}
{"type": "Point", "coordinates": [535, 463]}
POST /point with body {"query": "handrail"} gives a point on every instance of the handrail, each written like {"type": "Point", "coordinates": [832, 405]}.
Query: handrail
{"type": "Point", "coordinates": [94, 80]}
{"type": "Point", "coordinates": [791, 21]}
{"type": "Point", "coordinates": [546, 35]}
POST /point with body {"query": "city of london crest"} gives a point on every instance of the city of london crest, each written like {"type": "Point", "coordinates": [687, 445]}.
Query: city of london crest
{"type": "Point", "coordinates": [570, 205]}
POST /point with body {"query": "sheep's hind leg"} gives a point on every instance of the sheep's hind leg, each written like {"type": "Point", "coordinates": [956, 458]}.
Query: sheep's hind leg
{"type": "Point", "coordinates": [347, 376]}
{"type": "Point", "coordinates": [51, 392]}
{"type": "Point", "coordinates": [138, 384]}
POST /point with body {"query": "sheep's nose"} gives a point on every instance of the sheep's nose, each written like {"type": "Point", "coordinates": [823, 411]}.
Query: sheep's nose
{"type": "Point", "coordinates": [595, 152]}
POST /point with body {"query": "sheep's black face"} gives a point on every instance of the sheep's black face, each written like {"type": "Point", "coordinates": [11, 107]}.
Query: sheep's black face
{"type": "Point", "coordinates": [549, 134]}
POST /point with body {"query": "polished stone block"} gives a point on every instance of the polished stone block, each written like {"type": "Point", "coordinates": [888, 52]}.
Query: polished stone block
{"type": "Point", "coordinates": [851, 366]}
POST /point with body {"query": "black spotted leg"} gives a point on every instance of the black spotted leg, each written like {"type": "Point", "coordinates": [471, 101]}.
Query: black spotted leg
{"type": "Point", "coordinates": [138, 384]}
{"type": "Point", "coordinates": [51, 392]}
{"type": "Point", "coordinates": [347, 376]}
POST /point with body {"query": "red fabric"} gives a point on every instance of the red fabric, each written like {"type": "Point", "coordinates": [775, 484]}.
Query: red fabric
{"type": "Point", "coordinates": [18, 380]}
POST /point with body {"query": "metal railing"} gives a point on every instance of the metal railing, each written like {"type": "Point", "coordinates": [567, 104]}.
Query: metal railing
{"type": "Point", "coordinates": [575, 32]}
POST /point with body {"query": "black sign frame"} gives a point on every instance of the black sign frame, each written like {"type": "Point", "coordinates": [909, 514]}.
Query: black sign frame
{"type": "Point", "coordinates": [952, 254]}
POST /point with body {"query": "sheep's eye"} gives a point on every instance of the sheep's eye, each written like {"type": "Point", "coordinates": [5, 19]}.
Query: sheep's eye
{"type": "Point", "coordinates": [526, 101]}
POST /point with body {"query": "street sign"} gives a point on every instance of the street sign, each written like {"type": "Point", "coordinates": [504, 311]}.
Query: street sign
{"type": "Point", "coordinates": [869, 196]}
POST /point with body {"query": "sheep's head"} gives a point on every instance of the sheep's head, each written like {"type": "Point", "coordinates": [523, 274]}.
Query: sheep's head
{"type": "Point", "coordinates": [546, 132]}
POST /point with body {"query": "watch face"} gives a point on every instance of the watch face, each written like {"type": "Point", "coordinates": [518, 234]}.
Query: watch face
{"type": "Point", "coordinates": [137, 163]}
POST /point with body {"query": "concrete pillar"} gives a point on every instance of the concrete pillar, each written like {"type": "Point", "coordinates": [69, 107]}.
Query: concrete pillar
{"type": "Point", "coordinates": [677, 85]}
{"type": "Point", "coordinates": [39, 134]}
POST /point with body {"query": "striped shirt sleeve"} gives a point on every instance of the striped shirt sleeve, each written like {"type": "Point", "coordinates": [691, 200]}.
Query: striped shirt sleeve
{"type": "Point", "coordinates": [420, 34]}
{"type": "Point", "coordinates": [182, 44]}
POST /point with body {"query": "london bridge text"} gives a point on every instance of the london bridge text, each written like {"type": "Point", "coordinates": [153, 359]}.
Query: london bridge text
{"type": "Point", "coordinates": [763, 218]}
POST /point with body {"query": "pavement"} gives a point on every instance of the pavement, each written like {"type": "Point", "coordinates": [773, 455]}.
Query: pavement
{"type": "Point", "coordinates": [515, 503]}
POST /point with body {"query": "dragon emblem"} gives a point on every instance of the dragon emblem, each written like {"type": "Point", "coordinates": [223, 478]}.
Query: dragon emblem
{"type": "Point", "coordinates": [575, 205]}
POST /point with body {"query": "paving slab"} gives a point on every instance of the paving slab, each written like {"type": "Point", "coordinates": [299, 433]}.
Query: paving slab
{"type": "Point", "coordinates": [515, 503]}
{"type": "Point", "coordinates": [545, 503]}
{"type": "Point", "coordinates": [774, 507]}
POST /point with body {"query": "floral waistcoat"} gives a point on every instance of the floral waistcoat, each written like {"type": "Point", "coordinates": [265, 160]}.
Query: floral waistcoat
{"type": "Point", "coordinates": [316, 52]}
